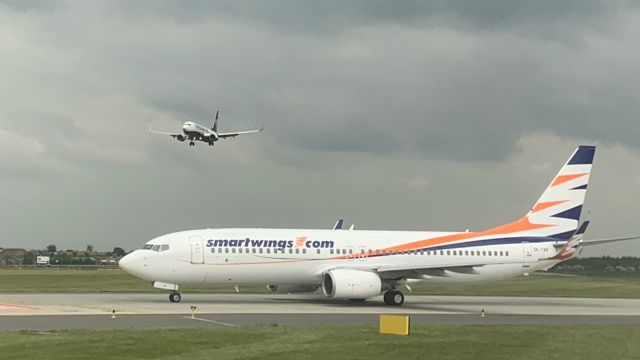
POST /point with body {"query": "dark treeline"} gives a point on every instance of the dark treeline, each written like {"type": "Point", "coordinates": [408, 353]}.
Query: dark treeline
{"type": "Point", "coordinates": [601, 266]}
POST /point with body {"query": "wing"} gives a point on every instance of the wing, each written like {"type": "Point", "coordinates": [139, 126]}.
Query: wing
{"type": "Point", "coordinates": [426, 272]}
{"type": "Point", "coordinates": [173, 134]}
{"type": "Point", "coordinates": [423, 272]}
{"type": "Point", "coordinates": [234, 134]}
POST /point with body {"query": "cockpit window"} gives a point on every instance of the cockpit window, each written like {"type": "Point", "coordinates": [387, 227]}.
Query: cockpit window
{"type": "Point", "coordinates": [157, 248]}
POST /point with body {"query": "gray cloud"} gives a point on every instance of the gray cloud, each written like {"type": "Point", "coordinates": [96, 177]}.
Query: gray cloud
{"type": "Point", "coordinates": [399, 115]}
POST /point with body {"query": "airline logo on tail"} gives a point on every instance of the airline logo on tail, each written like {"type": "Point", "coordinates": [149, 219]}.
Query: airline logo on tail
{"type": "Point", "coordinates": [560, 205]}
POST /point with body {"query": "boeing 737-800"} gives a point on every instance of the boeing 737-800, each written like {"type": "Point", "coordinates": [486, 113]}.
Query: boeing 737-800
{"type": "Point", "coordinates": [193, 131]}
{"type": "Point", "coordinates": [359, 265]}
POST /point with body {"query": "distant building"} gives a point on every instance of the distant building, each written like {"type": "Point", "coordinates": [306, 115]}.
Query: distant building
{"type": "Point", "coordinates": [12, 256]}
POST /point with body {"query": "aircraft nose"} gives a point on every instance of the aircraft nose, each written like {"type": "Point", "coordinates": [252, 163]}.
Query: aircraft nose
{"type": "Point", "coordinates": [132, 264]}
{"type": "Point", "coordinates": [125, 263]}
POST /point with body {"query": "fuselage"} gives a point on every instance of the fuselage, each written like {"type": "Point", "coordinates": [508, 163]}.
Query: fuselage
{"type": "Point", "coordinates": [195, 131]}
{"type": "Point", "coordinates": [299, 256]}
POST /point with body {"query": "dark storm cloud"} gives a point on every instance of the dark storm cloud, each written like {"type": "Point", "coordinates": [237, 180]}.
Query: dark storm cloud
{"type": "Point", "coordinates": [417, 114]}
{"type": "Point", "coordinates": [329, 17]}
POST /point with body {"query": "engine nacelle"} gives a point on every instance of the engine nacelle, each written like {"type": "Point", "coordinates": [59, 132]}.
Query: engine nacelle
{"type": "Point", "coordinates": [181, 138]}
{"type": "Point", "coordinates": [292, 289]}
{"type": "Point", "coordinates": [351, 284]}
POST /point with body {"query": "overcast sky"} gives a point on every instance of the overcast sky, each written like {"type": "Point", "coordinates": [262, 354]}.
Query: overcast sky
{"type": "Point", "coordinates": [417, 115]}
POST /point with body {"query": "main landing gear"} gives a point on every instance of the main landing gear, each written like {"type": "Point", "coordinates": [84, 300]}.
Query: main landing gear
{"type": "Point", "coordinates": [175, 297]}
{"type": "Point", "coordinates": [394, 298]}
{"type": "Point", "coordinates": [191, 143]}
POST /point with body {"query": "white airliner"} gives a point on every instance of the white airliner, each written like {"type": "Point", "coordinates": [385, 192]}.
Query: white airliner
{"type": "Point", "coordinates": [193, 131]}
{"type": "Point", "coordinates": [359, 264]}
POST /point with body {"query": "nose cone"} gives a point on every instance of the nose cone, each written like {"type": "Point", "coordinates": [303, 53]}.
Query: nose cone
{"type": "Point", "coordinates": [133, 264]}
{"type": "Point", "coordinates": [127, 263]}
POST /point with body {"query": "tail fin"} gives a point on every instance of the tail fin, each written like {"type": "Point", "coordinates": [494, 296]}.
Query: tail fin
{"type": "Point", "coordinates": [215, 122]}
{"type": "Point", "coordinates": [561, 203]}
{"type": "Point", "coordinates": [558, 210]}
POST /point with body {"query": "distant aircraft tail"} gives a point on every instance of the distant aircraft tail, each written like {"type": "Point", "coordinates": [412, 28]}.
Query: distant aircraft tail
{"type": "Point", "coordinates": [215, 122]}
{"type": "Point", "coordinates": [557, 212]}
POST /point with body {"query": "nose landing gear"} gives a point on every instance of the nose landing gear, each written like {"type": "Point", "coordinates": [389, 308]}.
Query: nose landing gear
{"type": "Point", "coordinates": [191, 143]}
{"type": "Point", "coordinates": [175, 297]}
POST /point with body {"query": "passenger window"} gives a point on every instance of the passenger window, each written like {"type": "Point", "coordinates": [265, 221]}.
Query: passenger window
{"type": "Point", "coordinates": [318, 251]}
{"type": "Point", "coordinates": [297, 251]}
{"type": "Point", "coordinates": [331, 251]}
{"type": "Point", "coordinates": [226, 250]}
{"type": "Point", "coordinates": [501, 253]}
{"type": "Point", "coordinates": [484, 253]}
{"type": "Point", "coordinates": [304, 251]}
{"type": "Point", "coordinates": [495, 253]}
{"type": "Point", "coordinates": [454, 252]}
{"type": "Point", "coordinates": [350, 251]}
{"type": "Point", "coordinates": [233, 250]}
{"type": "Point", "coordinates": [240, 250]}
{"type": "Point", "coordinates": [344, 251]}
{"type": "Point", "coordinates": [213, 250]}
{"type": "Point", "coordinates": [260, 250]}
{"type": "Point", "coordinates": [268, 251]}
{"type": "Point", "coordinates": [507, 253]}
{"type": "Point", "coordinates": [448, 252]}
{"type": "Point", "coordinates": [253, 250]}
{"type": "Point", "coordinates": [471, 252]}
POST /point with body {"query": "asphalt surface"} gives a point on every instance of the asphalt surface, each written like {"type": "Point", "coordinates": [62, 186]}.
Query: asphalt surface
{"type": "Point", "coordinates": [94, 311]}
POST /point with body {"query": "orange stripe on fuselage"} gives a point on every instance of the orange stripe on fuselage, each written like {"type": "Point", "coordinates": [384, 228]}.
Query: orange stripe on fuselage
{"type": "Point", "coordinates": [544, 205]}
{"type": "Point", "coordinates": [517, 226]}
{"type": "Point", "coordinates": [561, 179]}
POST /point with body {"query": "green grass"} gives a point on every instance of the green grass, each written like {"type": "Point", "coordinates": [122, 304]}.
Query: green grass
{"type": "Point", "coordinates": [91, 281]}
{"type": "Point", "coordinates": [348, 342]}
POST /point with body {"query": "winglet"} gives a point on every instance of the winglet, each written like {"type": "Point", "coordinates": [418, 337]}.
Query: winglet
{"type": "Point", "coordinates": [338, 225]}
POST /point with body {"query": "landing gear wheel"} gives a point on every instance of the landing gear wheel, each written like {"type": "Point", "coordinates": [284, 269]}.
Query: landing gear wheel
{"type": "Point", "coordinates": [394, 298]}
{"type": "Point", "coordinates": [175, 297]}
{"type": "Point", "coordinates": [192, 143]}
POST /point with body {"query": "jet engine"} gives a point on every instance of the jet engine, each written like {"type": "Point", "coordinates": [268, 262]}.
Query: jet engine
{"type": "Point", "coordinates": [181, 137]}
{"type": "Point", "coordinates": [351, 284]}
{"type": "Point", "coordinates": [292, 289]}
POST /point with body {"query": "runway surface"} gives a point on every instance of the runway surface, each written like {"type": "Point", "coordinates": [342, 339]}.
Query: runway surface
{"type": "Point", "coordinates": [94, 311]}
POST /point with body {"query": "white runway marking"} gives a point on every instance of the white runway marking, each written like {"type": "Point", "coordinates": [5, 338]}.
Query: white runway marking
{"type": "Point", "coordinates": [210, 321]}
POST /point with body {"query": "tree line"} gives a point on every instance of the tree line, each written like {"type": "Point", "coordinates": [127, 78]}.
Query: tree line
{"type": "Point", "coordinates": [600, 266]}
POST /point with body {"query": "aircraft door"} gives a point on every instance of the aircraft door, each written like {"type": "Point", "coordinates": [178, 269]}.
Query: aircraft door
{"type": "Point", "coordinates": [197, 249]}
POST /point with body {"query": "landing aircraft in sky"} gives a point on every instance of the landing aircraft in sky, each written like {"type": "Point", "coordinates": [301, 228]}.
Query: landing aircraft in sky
{"type": "Point", "coordinates": [193, 132]}
{"type": "Point", "coordinates": [361, 264]}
